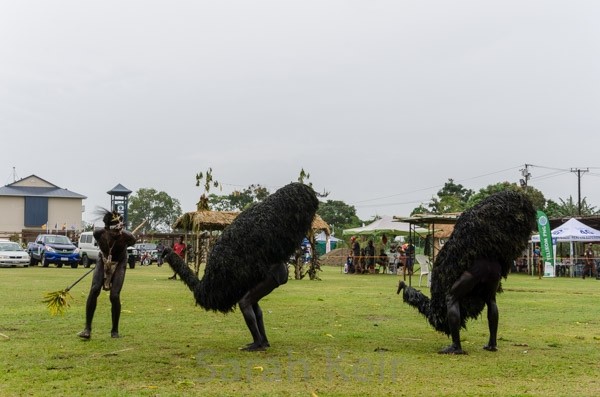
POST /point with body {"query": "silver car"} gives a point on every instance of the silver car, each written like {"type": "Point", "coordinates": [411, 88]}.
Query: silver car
{"type": "Point", "coordinates": [13, 255]}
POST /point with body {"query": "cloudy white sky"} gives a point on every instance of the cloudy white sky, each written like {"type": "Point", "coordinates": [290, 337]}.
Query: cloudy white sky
{"type": "Point", "coordinates": [380, 101]}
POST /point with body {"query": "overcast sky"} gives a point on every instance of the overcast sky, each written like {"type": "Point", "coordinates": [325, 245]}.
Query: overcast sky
{"type": "Point", "coordinates": [380, 101]}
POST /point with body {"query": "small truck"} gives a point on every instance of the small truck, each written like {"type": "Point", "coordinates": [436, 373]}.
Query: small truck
{"type": "Point", "coordinates": [53, 248]}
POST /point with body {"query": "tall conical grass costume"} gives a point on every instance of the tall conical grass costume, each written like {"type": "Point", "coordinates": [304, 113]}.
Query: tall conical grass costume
{"type": "Point", "coordinates": [248, 260]}
{"type": "Point", "coordinates": [467, 271]}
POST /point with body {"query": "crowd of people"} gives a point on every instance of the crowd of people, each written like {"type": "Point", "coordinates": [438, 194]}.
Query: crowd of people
{"type": "Point", "coordinates": [586, 264]}
{"type": "Point", "coordinates": [364, 260]}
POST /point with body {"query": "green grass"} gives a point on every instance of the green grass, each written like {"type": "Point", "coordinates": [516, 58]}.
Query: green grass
{"type": "Point", "coordinates": [342, 336]}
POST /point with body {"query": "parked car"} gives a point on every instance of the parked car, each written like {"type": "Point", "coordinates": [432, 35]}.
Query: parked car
{"type": "Point", "coordinates": [12, 254]}
{"type": "Point", "coordinates": [88, 249]}
{"type": "Point", "coordinates": [147, 252]}
{"type": "Point", "coordinates": [53, 248]}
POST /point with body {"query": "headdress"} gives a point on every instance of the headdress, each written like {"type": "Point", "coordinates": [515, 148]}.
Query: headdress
{"type": "Point", "coordinates": [113, 220]}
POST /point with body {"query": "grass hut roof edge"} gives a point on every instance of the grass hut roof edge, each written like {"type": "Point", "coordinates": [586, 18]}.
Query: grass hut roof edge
{"type": "Point", "coordinates": [196, 221]}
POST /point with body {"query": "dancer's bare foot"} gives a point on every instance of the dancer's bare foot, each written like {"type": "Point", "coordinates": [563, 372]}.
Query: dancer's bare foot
{"type": "Point", "coordinates": [452, 350]}
{"type": "Point", "coordinates": [254, 347]}
{"type": "Point", "coordinates": [490, 348]}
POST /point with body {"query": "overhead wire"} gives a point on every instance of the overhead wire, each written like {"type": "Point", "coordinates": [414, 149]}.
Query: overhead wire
{"type": "Point", "coordinates": [368, 203]}
{"type": "Point", "coordinates": [428, 188]}
{"type": "Point", "coordinates": [555, 173]}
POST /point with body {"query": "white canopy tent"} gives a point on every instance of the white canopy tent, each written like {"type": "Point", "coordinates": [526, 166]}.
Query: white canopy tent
{"type": "Point", "coordinates": [569, 232]}
{"type": "Point", "coordinates": [385, 225]}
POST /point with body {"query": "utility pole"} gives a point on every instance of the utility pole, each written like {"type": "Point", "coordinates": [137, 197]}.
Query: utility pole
{"type": "Point", "coordinates": [526, 175]}
{"type": "Point", "coordinates": [579, 171]}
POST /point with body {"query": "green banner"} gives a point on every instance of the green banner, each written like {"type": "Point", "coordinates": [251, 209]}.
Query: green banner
{"type": "Point", "coordinates": [545, 238]}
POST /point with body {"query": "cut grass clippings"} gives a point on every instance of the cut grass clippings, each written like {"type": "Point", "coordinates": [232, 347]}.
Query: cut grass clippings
{"type": "Point", "coordinates": [347, 335]}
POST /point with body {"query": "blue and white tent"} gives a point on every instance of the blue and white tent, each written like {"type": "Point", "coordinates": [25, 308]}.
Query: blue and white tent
{"type": "Point", "coordinates": [572, 230]}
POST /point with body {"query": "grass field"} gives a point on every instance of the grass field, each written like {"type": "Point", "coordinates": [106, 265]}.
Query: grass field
{"type": "Point", "coordinates": [347, 335]}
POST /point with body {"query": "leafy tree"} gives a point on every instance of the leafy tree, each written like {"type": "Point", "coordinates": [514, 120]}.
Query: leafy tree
{"type": "Point", "coordinates": [238, 200]}
{"type": "Point", "coordinates": [552, 209]}
{"type": "Point", "coordinates": [536, 196]}
{"type": "Point", "coordinates": [450, 198]}
{"type": "Point", "coordinates": [569, 208]}
{"type": "Point", "coordinates": [455, 198]}
{"type": "Point", "coordinates": [421, 209]}
{"type": "Point", "coordinates": [338, 214]}
{"type": "Point", "coordinates": [87, 226]}
{"type": "Point", "coordinates": [158, 209]}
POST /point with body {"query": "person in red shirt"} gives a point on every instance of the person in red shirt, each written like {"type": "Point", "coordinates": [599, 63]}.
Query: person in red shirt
{"type": "Point", "coordinates": [179, 248]}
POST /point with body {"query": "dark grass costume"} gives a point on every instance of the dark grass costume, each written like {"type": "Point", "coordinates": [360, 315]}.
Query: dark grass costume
{"type": "Point", "coordinates": [249, 259]}
{"type": "Point", "coordinates": [109, 273]}
{"type": "Point", "coordinates": [468, 269]}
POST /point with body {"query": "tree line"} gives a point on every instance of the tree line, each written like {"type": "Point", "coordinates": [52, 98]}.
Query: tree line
{"type": "Point", "coordinates": [160, 210]}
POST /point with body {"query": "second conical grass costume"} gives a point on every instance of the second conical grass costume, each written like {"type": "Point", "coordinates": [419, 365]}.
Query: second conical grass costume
{"type": "Point", "coordinates": [468, 269]}
{"type": "Point", "coordinates": [248, 260]}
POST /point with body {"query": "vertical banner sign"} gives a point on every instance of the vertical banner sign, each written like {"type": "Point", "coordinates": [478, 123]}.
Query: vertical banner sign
{"type": "Point", "coordinates": [546, 248]}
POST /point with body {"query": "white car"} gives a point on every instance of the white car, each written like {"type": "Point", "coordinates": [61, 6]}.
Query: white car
{"type": "Point", "coordinates": [13, 255]}
{"type": "Point", "coordinates": [148, 253]}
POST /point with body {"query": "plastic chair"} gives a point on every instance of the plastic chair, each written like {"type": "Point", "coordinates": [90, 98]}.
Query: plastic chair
{"type": "Point", "coordinates": [423, 262]}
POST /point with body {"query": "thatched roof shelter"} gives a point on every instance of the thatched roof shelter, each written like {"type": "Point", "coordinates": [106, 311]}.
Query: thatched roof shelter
{"type": "Point", "coordinates": [319, 225]}
{"type": "Point", "coordinates": [198, 221]}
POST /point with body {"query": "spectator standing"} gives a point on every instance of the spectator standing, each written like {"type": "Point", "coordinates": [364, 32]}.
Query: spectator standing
{"type": "Point", "coordinates": [537, 260]}
{"type": "Point", "coordinates": [355, 253]}
{"type": "Point", "coordinates": [370, 254]}
{"type": "Point", "coordinates": [362, 261]}
{"type": "Point", "coordinates": [349, 267]}
{"type": "Point", "coordinates": [306, 250]}
{"type": "Point", "coordinates": [159, 252]}
{"type": "Point", "coordinates": [588, 257]}
{"type": "Point", "coordinates": [179, 248]}
{"type": "Point", "coordinates": [409, 251]}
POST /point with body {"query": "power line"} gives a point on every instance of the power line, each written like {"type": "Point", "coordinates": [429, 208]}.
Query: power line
{"type": "Point", "coordinates": [549, 168]}
{"type": "Point", "coordinates": [436, 186]}
{"type": "Point", "coordinates": [579, 172]}
{"type": "Point", "coordinates": [550, 175]}
{"type": "Point", "coordinates": [525, 172]}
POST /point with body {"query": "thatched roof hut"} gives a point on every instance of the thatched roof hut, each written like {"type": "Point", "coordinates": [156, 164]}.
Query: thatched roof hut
{"type": "Point", "coordinates": [319, 225]}
{"type": "Point", "coordinates": [198, 221]}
